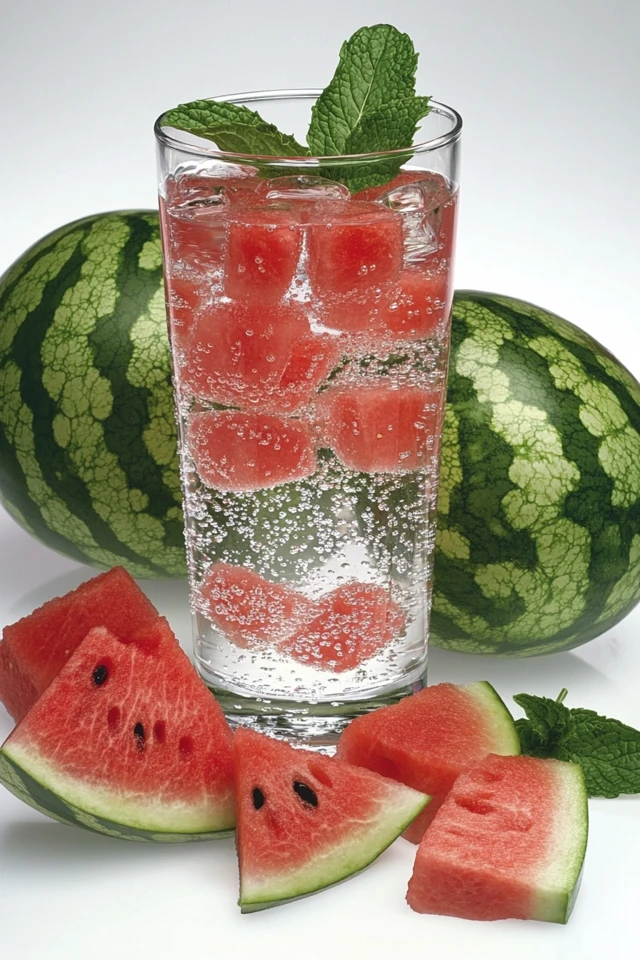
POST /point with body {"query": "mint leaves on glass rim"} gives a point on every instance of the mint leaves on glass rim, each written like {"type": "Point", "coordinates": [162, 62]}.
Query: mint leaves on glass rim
{"type": "Point", "coordinates": [370, 106]}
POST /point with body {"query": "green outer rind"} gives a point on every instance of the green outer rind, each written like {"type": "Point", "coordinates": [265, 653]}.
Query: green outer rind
{"type": "Point", "coordinates": [19, 782]}
{"type": "Point", "coordinates": [117, 309]}
{"type": "Point", "coordinates": [538, 546]}
{"type": "Point", "coordinates": [363, 852]}
{"type": "Point", "coordinates": [498, 716]}
{"type": "Point", "coordinates": [555, 904]}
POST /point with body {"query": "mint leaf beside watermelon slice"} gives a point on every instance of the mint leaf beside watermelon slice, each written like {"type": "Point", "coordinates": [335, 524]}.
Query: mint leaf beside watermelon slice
{"type": "Point", "coordinates": [608, 751]}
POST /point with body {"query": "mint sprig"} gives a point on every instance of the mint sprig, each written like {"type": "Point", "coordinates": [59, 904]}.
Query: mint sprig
{"type": "Point", "coordinates": [233, 128]}
{"type": "Point", "coordinates": [377, 68]}
{"type": "Point", "coordinates": [369, 106]}
{"type": "Point", "coordinates": [607, 750]}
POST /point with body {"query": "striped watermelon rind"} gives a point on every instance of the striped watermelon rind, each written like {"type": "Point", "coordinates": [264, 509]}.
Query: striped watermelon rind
{"type": "Point", "coordinates": [88, 459]}
{"type": "Point", "coordinates": [538, 545]}
{"type": "Point", "coordinates": [37, 795]}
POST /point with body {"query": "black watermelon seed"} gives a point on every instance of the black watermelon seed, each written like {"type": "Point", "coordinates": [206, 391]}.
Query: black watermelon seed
{"type": "Point", "coordinates": [305, 793]}
{"type": "Point", "coordinates": [258, 798]}
{"type": "Point", "coordinates": [138, 732]}
{"type": "Point", "coordinates": [100, 674]}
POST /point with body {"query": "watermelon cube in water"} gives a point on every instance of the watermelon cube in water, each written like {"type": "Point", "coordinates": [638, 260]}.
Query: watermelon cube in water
{"type": "Point", "coordinates": [509, 841]}
{"type": "Point", "coordinates": [34, 649]}
{"type": "Point", "coordinates": [126, 741]}
{"type": "Point", "coordinates": [263, 247]}
{"type": "Point", "coordinates": [257, 356]}
{"type": "Point", "coordinates": [248, 608]}
{"type": "Point", "coordinates": [428, 739]}
{"type": "Point", "coordinates": [306, 821]}
{"type": "Point", "coordinates": [379, 427]}
{"type": "Point", "coordinates": [347, 626]}
{"type": "Point", "coordinates": [249, 451]}
{"type": "Point", "coordinates": [352, 246]}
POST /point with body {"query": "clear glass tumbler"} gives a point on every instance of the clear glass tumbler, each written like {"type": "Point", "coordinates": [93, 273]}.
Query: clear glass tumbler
{"type": "Point", "coordinates": [309, 331]}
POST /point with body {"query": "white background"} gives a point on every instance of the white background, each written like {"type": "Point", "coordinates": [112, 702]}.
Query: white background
{"type": "Point", "coordinates": [550, 210]}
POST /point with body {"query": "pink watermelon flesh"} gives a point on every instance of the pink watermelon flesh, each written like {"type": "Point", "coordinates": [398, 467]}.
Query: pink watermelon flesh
{"type": "Point", "coordinates": [428, 739]}
{"type": "Point", "coordinates": [352, 246]}
{"type": "Point", "coordinates": [249, 451]}
{"type": "Point", "coordinates": [184, 297]}
{"type": "Point", "coordinates": [257, 356]}
{"type": "Point", "coordinates": [347, 626]}
{"type": "Point", "coordinates": [409, 309]}
{"type": "Point", "coordinates": [263, 247]}
{"type": "Point", "coordinates": [305, 821]}
{"type": "Point", "coordinates": [193, 214]}
{"type": "Point", "coordinates": [248, 608]}
{"type": "Point", "coordinates": [34, 649]}
{"type": "Point", "coordinates": [128, 732]}
{"type": "Point", "coordinates": [509, 841]}
{"type": "Point", "coordinates": [377, 427]}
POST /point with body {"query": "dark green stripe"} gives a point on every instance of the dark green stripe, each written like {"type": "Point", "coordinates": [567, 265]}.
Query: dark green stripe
{"type": "Point", "coordinates": [112, 352]}
{"type": "Point", "coordinates": [44, 800]}
{"type": "Point", "coordinates": [55, 464]}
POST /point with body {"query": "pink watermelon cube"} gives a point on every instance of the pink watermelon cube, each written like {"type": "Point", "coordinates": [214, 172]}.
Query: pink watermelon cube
{"type": "Point", "coordinates": [352, 246]}
{"type": "Point", "coordinates": [193, 214]}
{"type": "Point", "coordinates": [184, 296]}
{"type": "Point", "coordinates": [263, 247]}
{"type": "Point", "coordinates": [34, 649]}
{"type": "Point", "coordinates": [381, 428]}
{"type": "Point", "coordinates": [249, 451]}
{"type": "Point", "coordinates": [409, 309]}
{"type": "Point", "coordinates": [349, 625]}
{"type": "Point", "coordinates": [257, 356]}
{"type": "Point", "coordinates": [247, 608]}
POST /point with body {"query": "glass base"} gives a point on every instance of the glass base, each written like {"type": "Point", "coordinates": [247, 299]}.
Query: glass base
{"type": "Point", "coordinates": [316, 726]}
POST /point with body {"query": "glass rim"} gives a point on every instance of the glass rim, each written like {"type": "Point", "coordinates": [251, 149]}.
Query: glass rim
{"type": "Point", "coordinates": [425, 146]}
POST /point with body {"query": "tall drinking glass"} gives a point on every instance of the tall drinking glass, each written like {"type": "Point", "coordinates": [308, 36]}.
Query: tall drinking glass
{"type": "Point", "coordinates": [309, 329]}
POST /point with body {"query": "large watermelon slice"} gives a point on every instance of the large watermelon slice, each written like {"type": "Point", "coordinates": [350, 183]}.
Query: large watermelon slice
{"type": "Point", "coordinates": [126, 741]}
{"type": "Point", "coordinates": [428, 739]}
{"type": "Point", "coordinates": [34, 649]}
{"type": "Point", "coordinates": [509, 841]}
{"type": "Point", "coordinates": [305, 821]}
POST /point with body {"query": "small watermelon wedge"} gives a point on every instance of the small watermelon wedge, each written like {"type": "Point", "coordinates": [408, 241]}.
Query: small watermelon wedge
{"type": "Point", "coordinates": [428, 739]}
{"type": "Point", "coordinates": [305, 821]}
{"type": "Point", "coordinates": [126, 741]}
{"type": "Point", "coordinates": [34, 649]}
{"type": "Point", "coordinates": [508, 842]}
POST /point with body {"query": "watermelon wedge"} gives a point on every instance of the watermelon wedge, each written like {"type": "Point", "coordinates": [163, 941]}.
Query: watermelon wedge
{"type": "Point", "coordinates": [428, 739]}
{"type": "Point", "coordinates": [126, 741]}
{"type": "Point", "coordinates": [305, 821]}
{"type": "Point", "coordinates": [509, 841]}
{"type": "Point", "coordinates": [34, 649]}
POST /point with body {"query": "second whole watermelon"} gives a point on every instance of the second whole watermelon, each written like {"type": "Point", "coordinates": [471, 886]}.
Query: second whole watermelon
{"type": "Point", "coordinates": [539, 513]}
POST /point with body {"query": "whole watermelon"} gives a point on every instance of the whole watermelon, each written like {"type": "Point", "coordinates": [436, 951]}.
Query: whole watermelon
{"type": "Point", "coordinates": [88, 457]}
{"type": "Point", "coordinates": [538, 545]}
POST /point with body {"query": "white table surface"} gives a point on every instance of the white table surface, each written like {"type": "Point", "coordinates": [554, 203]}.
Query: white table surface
{"type": "Point", "coordinates": [550, 212]}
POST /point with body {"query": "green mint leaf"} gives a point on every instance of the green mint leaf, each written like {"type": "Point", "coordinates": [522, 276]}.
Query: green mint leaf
{"type": "Point", "coordinates": [389, 127]}
{"type": "Point", "coordinates": [233, 128]}
{"type": "Point", "coordinates": [377, 66]}
{"type": "Point", "coordinates": [607, 750]}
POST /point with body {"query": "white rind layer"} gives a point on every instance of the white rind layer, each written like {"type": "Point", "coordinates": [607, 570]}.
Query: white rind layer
{"type": "Point", "coordinates": [398, 807]}
{"type": "Point", "coordinates": [131, 809]}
